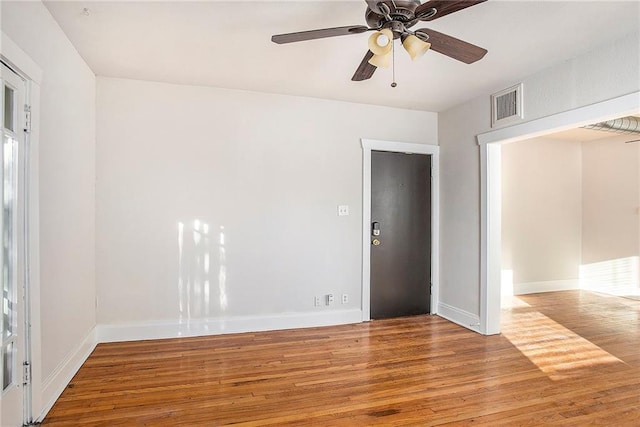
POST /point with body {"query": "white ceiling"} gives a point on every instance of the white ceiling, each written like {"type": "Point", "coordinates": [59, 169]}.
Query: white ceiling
{"type": "Point", "coordinates": [227, 44]}
{"type": "Point", "coordinates": [583, 135]}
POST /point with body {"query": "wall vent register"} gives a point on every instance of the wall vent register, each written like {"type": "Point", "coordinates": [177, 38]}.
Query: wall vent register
{"type": "Point", "coordinates": [506, 106]}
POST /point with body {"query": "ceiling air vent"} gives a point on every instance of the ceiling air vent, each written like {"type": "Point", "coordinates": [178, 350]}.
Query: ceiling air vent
{"type": "Point", "coordinates": [506, 106]}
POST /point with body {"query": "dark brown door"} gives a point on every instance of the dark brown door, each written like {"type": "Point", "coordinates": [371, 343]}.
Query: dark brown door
{"type": "Point", "coordinates": [400, 234]}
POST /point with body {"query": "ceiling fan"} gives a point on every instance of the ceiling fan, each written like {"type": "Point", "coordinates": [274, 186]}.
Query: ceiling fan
{"type": "Point", "coordinates": [392, 19]}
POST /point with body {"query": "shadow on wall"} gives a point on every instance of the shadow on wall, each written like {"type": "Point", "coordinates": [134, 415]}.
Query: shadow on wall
{"type": "Point", "coordinates": [197, 294]}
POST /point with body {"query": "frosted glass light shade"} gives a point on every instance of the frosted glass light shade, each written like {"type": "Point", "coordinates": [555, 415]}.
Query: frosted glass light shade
{"type": "Point", "coordinates": [380, 42]}
{"type": "Point", "coordinates": [380, 61]}
{"type": "Point", "coordinates": [415, 47]}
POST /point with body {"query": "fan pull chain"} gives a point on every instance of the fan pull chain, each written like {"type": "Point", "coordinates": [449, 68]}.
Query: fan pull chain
{"type": "Point", "coordinates": [393, 64]}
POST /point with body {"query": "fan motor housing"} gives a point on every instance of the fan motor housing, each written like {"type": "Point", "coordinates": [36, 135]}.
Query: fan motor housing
{"type": "Point", "coordinates": [403, 12]}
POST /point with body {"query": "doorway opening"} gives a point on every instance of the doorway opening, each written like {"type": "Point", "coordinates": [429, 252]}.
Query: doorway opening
{"type": "Point", "coordinates": [491, 192]}
{"type": "Point", "coordinates": [570, 213]}
{"type": "Point", "coordinates": [432, 151]}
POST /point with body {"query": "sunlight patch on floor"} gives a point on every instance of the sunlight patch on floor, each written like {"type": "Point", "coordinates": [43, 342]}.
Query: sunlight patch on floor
{"type": "Point", "coordinates": [510, 301]}
{"type": "Point", "coordinates": [555, 350]}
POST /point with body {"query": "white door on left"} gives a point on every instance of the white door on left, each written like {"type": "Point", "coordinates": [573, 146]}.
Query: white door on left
{"type": "Point", "coordinates": [12, 249]}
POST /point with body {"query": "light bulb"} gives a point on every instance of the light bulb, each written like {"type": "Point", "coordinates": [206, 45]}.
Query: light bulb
{"type": "Point", "coordinates": [380, 42]}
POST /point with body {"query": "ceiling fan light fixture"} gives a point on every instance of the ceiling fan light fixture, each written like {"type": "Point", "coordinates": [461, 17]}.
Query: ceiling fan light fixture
{"type": "Point", "coordinates": [381, 61]}
{"type": "Point", "coordinates": [380, 42]}
{"type": "Point", "coordinates": [414, 46]}
{"type": "Point", "coordinates": [391, 19]}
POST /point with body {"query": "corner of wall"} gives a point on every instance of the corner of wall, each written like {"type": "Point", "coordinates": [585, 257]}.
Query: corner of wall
{"type": "Point", "coordinates": [57, 381]}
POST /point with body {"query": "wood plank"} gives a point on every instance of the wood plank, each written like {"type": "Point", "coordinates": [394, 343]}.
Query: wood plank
{"type": "Point", "coordinates": [570, 358]}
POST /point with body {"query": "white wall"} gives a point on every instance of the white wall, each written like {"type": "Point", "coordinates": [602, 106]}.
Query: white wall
{"type": "Point", "coordinates": [541, 211]}
{"type": "Point", "coordinates": [611, 204]}
{"type": "Point", "coordinates": [605, 72]}
{"type": "Point", "coordinates": [570, 215]}
{"type": "Point", "coordinates": [67, 174]}
{"type": "Point", "coordinates": [265, 173]}
{"type": "Point", "coordinates": [611, 228]}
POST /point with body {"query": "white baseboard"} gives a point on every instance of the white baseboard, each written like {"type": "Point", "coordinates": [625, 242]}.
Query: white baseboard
{"type": "Point", "coordinates": [459, 316]}
{"type": "Point", "coordinates": [547, 286]}
{"type": "Point", "coordinates": [57, 381]}
{"type": "Point", "coordinates": [224, 325]}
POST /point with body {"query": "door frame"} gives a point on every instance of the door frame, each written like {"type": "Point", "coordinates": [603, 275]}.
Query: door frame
{"type": "Point", "coordinates": [12, 55]}
{"type": "Point", "coordinates": [369, 145]}
{"type": "Point", "coordinates": [491, 188]}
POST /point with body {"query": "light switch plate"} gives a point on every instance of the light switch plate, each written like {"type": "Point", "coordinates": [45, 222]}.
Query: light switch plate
{"type": "Point", "coordinates": [343, 210]}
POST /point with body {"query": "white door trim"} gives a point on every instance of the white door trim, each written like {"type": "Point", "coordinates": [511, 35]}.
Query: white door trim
{"type": "Point", "coordinates": [399, 147]}
{"type": "Point", "coordinates": [490, 188]}
{"type": "Point", "coordinates": [24, 66]}
{"type": "Point", "coordinates": [19, 60]}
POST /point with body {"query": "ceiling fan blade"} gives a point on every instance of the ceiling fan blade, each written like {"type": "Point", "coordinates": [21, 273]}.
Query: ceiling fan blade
{"type": "Point", "coordinates": [318, 34]}
{"type": "Point", "coordinates": [453, 47]}
{"type": "Point", "coordinates": [443, 8]}
{"type": "Point", "coordinates": [365, 70]}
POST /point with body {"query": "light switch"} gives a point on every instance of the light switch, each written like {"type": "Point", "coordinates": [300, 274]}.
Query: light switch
{"type": "Point", "coordinates": [343, 210]}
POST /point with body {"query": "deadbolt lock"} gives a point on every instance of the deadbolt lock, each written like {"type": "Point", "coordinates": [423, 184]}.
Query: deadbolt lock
{"type": "Point", "coordinates": [375, 242]}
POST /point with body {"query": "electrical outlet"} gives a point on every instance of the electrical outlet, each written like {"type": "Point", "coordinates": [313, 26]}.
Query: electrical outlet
{"type": "Point", "coordinates": [329, 299]}
{"type": "Point", "coordinates": [343, 210]}
{"type": "Point", "coordinates": [316, 301]}
{"type": "Point", "coordinates": [345, 298]}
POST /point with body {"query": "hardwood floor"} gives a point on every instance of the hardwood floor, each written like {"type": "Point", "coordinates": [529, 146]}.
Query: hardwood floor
{"type": "Point", "coordinates": [565, 358]}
